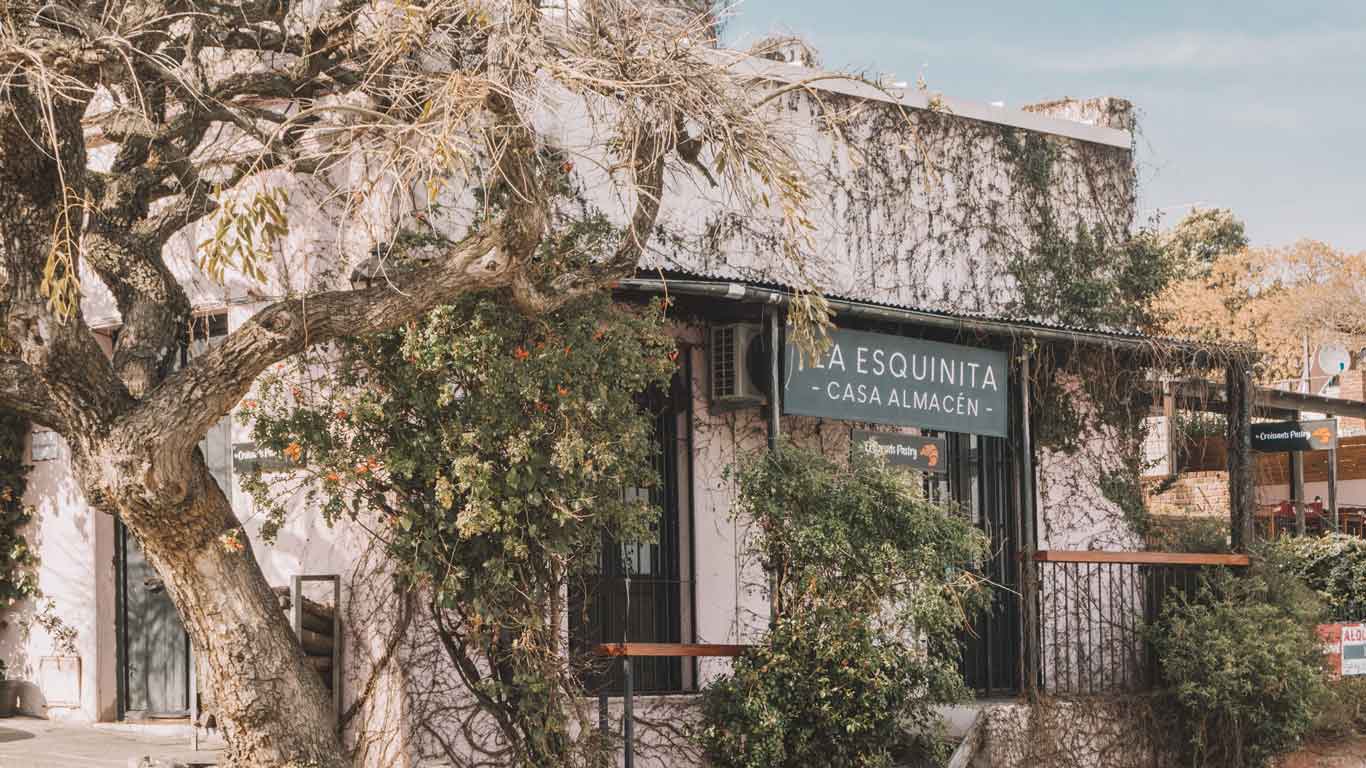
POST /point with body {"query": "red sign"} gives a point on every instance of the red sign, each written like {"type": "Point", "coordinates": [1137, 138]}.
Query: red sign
{"type": "Point", "coordinates": [1344, 645]}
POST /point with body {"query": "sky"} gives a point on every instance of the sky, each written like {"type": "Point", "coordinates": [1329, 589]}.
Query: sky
{"type": "Point", "coordinates": [1251, 105]}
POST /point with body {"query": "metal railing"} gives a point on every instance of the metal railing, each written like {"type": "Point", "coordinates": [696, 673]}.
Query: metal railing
{"type": "Point", "coordinates": [642, 609]}
{"type": "Point", "coordinates": [631, 652]}
{"type": "Point", "coordinates": [1093, 608]}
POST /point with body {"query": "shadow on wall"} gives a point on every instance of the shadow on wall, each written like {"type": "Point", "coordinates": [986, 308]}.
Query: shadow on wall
{"type": "Point", "coordinates": [46, 675]}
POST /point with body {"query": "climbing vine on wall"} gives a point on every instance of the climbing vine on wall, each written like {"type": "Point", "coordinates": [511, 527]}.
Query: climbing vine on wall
{"type": "Point", "coordinates": [925, 208]}
{"type": "Point", "coordinates": [17, 561]}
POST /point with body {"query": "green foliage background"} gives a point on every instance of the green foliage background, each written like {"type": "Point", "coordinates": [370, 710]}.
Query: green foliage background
{"type": "Point", "coordinates": [1333, 566]}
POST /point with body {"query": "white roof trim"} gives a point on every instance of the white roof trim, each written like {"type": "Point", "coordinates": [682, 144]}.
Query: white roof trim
{"type": "Point", "coordinates": [916, 99]}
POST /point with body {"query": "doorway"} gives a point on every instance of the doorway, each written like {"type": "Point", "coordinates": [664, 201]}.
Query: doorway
{"type": "Point", "coordinates": [153, 647]}
{"type": "Point", "coordinates": [980, 483]}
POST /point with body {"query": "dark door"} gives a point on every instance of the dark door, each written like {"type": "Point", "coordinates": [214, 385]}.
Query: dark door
{"type": "Point", "coordinates": [981, 483]}
{"type": "Point", "coordinates": [154, 650]}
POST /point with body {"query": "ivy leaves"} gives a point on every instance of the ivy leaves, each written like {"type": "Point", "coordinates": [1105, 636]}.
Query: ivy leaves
{"type": "Point", "coordinates": [18, 580]}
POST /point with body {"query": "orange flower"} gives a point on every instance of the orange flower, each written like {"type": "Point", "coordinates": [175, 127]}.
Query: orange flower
{"type": "Point", "coordinates": [333, 477]}
{"type": "Point", "coordinates": [362, 468]}
{"type": "Point", "coordinates": [341, 415]}
{"type": "Point", "coordinates": [231, 542]}
{"type": "Point", "coordinates": [296, 392]}
{"type": "Point", "coordinates": [520, 353]}
{"type": "Point", "coordinates": [563, 390]}
{"type": "Point", "coordinates": [542, 407]}
{"type": "Point", "coordinates": [566, 167]}
{"type": "Point", "coordinates": [294, 451]}
{"type": "Point", "coordinates": [249, 404]}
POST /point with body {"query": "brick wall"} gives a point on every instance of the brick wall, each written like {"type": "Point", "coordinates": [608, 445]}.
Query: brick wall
{"type": "Point", "coordinates": [1352, 386]}
{"type": "Point", "coordinates": [1195, 494]}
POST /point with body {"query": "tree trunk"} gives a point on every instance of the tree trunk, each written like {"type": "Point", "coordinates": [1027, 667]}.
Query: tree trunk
{"type": "Point", "coordinates": [272, 706]}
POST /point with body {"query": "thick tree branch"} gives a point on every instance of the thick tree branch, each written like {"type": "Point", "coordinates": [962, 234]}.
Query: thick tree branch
{"type": "Point", "coordinates": [24, 391]}
{"type": "Point", "coordinates": [177, 413]}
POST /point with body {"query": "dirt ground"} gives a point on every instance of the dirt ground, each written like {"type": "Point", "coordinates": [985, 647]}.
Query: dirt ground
{"type": "Point", "coordinates": [1336, 753]}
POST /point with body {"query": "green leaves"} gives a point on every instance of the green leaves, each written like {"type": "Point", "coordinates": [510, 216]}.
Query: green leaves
{"type": "Point", "coordinates": [1243, 667]}
{"type": "Point", "coordinates": [872, 584]}
{"type": "Point", "coordinates": [492, 449]}
{"type": "Point", "coordinates": [244, 234]}
{"type": "Point", "coordinates": [1333, 566]}
{"type": "Point", "coordinates": [18, 580]}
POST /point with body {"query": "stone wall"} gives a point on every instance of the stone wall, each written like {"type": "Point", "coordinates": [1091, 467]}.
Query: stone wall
{"type": "Point", "coordinates": [1117, 732]}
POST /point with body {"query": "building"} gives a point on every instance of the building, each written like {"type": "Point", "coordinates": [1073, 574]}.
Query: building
{"type": "Point", "coordinates": [946, 231]}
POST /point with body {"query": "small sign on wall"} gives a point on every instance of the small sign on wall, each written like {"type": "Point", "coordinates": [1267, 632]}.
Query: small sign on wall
{"type": "Point", "coordinates": [915, 451]}
{"type": "Point", "coordinates": [44, 445]}
{"type": "Point", "coordinates": [249, 457]}
{"type": "Point", "coordinates": [1345, 647]}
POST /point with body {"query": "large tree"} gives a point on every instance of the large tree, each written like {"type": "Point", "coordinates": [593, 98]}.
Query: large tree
{"type": "Point", "coordinates": [123, 122]}
{"type": "Point", "coordinates": [1276, 299]}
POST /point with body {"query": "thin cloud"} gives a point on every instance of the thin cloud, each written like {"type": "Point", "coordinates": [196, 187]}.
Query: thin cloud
{"type": "Point", "coordinates": [1206, 51]}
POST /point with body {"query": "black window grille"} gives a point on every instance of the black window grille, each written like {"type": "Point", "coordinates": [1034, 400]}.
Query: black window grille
{"type": "Point", "coordinates": [652, 604]}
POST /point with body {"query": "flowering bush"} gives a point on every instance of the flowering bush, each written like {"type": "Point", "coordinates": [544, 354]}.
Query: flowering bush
{"type": "Point", "coordinates": [492, 448]}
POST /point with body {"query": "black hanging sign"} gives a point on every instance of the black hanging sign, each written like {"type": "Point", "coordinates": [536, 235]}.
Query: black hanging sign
{"type": "Point", "coordinates": [915, 451]}
{"type": "Point", "coordinates": [1283, 436]}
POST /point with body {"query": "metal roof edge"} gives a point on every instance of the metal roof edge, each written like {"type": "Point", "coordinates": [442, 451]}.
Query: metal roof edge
{"type": "Point", "coordinates": [999, 326]}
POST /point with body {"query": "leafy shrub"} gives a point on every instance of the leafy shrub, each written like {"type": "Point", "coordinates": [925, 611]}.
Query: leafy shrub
{"type": "Point", "coordinates": [1344, 709]}
{"type": "Point", "coordinates": [1243, 667]}
{"type": "Point", "coordinates": [487, 451]}
{"type": "Point", "coordinates": [1188, 534]}
{"type": "Point", "coordinates": [871, 584]}
{"type": "Point", "coordinates": [1333, 566]}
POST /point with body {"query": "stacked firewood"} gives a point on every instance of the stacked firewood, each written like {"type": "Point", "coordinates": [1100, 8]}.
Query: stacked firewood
{"type": "Point", "coordinates": [317, 633]}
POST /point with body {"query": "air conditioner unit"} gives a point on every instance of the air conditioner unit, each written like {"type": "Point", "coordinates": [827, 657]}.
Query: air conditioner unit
{"type": "Point", "coordinates": [739, 363]}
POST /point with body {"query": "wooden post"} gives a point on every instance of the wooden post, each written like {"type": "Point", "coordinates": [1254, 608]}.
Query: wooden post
{"type": "Point", "coordinates": [1297, 487]}
{"type": "Point", "coordinates": [1333, 488]}
{"type": "Point", "coordinates": [775, 381]}
{"type": "Point", "coordinates": [775, 420]}
{"type": "Point", "coordinates": [1241, 499]}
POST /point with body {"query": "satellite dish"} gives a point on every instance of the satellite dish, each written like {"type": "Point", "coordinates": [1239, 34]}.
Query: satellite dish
{"type": "Point", "coordinates": [1333, 358]}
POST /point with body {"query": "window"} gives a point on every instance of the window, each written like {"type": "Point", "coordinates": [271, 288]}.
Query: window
{"type": "Point", "coordinates": [642, 591]}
